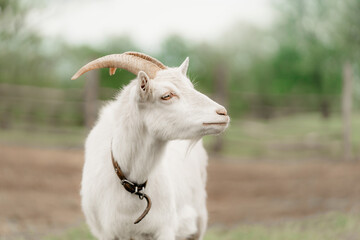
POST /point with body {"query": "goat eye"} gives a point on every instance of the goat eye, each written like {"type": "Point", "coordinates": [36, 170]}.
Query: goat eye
{"type": "Point", "coordinates": [167, 96]}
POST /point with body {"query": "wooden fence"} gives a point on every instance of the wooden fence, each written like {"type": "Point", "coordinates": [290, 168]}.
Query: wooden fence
{"type": "Point", "coordinates": [48, 106]}
{"type": "Point", "coordinates": [54, 107]}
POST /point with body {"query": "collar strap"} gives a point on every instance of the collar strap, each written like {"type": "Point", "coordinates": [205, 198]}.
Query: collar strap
{"type": "Point", "coordinates": [132, 188]}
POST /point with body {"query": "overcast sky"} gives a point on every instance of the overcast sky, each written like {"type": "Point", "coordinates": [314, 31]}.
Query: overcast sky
{"type": "Point", "coordinates": [146, 21]}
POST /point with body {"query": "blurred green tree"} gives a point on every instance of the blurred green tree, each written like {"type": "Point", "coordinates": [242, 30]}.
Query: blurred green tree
{"type": "Point", "coordinates": [22, 59]}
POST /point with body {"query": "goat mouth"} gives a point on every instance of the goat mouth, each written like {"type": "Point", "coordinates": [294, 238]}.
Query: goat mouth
{"type": "Point", "coordinates": [215, 123]}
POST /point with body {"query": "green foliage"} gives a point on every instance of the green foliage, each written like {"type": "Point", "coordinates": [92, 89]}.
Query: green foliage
{"type": "Point", "coordinates": [301, 55]}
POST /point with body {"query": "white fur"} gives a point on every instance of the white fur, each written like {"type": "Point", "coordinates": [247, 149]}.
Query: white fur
{"type": "Point", "coordinates": [155, 140]}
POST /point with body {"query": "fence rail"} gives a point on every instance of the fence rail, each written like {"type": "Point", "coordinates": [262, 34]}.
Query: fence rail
{"type": "Point", "coordinates": [51, 106]}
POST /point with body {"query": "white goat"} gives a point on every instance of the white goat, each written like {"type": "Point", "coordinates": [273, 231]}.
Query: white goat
{"type": "Point", "coordinates": [153, 131]}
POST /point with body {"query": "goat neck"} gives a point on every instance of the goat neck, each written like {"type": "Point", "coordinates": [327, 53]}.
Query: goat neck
{"type": "Point", "coordinates": [135, 150]}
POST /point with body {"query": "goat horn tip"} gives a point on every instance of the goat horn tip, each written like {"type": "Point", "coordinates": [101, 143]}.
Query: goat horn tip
{"type": "Point", "coordinates": [112, 71]}
{"type": "Point", "coordinates": [75, 76]}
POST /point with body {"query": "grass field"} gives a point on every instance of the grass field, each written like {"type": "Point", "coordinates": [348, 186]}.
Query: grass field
{"type": "Point", "coordinates": [296, 137]}
{"type": "Point", "coordinates": [332, 226]}
{"type": "Point", "coordinates": [41, 136]}
{"type": "Point", "coordinates": [306, 136]}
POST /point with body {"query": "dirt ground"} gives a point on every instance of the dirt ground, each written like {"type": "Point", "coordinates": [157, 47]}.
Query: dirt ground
{"type": "Point", "coordinates": [39, 190]}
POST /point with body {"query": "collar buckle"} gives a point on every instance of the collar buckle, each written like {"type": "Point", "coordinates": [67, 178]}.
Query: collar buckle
{"type": "Point", "coordinates": [133, 188]}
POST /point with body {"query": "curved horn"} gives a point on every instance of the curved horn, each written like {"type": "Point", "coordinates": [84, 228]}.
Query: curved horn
{"type": "Point", "coordinates": [130, 61]}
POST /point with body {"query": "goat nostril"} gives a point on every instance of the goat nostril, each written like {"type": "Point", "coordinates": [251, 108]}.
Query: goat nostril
{"type": "Point", "coordinates": [221, 112]}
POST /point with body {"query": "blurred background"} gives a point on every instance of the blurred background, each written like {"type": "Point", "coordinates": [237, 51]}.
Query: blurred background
{"type": "Point", "coordinates": [287, 71]}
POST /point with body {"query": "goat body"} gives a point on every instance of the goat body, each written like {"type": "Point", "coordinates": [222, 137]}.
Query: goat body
{"type": "Point", "coordinates": [154, 128]}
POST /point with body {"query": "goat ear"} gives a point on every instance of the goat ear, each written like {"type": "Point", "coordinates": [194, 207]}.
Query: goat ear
{"type": "Point", "coordinates": [143, 83]}
{"type": "Point", "coordinates": [184, 66]}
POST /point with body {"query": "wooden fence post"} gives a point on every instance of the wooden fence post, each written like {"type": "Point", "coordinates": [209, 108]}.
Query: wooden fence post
{"type": "Point", "coordinates": [91, 98]}
{"type": "Point", "coordinates": [5, 120]}
{"type": "Point", "coordinates": [346, 110]}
